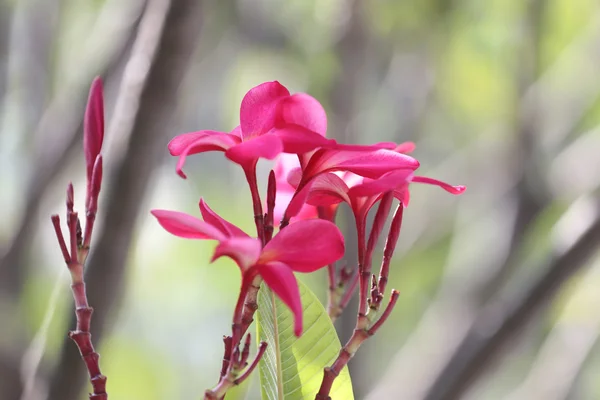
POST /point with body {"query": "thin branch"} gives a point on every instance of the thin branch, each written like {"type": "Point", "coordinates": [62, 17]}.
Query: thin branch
{"type": "Point", "coordinates": [567, 347]}
{"type": "Point", "coordinates": [62, 122]}
{"type": "Point", "coordinates": [167, 38]}
{"type": "Point", "coordinates": [506, 318]}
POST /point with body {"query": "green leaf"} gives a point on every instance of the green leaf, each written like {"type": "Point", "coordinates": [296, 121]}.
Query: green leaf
{"type": "Point", "coordinates": [292, 368]}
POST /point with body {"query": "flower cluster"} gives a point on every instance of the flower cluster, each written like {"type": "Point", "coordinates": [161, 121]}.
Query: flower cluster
{"type": "Point", "coordinates": [312, 176]}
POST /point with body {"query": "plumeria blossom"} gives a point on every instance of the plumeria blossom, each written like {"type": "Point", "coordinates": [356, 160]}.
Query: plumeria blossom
{"type": "Point", "coordinates": [271, 122]}
{"type": "Point", "coordinates": [368, 161]}
{"type": "Point", "coordinates": [303, 247]}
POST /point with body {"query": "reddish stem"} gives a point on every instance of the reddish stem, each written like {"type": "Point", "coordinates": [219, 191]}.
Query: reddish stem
{"type": "Point", "coordinates": [271, 195]}
{"type": "Point", "coordinates": [349, 292]}
{"type": "Point", "coordinates": [390, 246]}
{"type": "Point", "coordinates": [61, 239]}
{"type": "Point", "coordinates": [364, 328]}
{"type": "Point", "coordinates": [386, 313]}
{"type": "Point", "coordinates": [256, 202]}
{"type": "Point", "coordinates": [261, 352]}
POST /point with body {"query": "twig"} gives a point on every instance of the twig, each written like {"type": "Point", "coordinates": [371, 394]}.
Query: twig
{"type": "Point", "coordinates": [61, 121]}
{"type": "Point", "coordinates": [369, 302]}
{"type": "Point", "coordinates": [567, 347]}
{"type": "Point", "coordinates": [167, 38]}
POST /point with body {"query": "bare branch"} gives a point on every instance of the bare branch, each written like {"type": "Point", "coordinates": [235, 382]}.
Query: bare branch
{"type": "Point", "coordinates": [500, 320]}
{"type": "Point", "coordinates": [174, 43]}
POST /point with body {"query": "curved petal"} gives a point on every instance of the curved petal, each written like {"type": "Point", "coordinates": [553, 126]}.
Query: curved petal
{"type": "Point", "coordinates": [406, 147]}
{"type": "Point", "coordinates": [305, 246]}
{"type": "Point", "coordinates": [304, 110]}
{"type": "Point", "coordinates": [370, 164]}
{"type": "Point", "coordinates": [328, 189]}
{"type": "Point", "coordinates": [243, 250]}
{"type": "Point", "coordinates": [297, 139]}
{"type": "Point", "coordinates": [446, 186]}
{"type": "Point", "coordinates": [403, 194]}
{"type": "Point", "coordinates": [258, 110]}
{"type": "Point", "coordinates": [208, 141]}
{"type": "Point", "coordinates": [386, 183]}
{"type": "Point", "coordinates": [186, 226]}
{"type": "Point", "coordinates": [180, 143]}
{"type": "Point", "coordinates": [265, 146]}
{"type": "Point", "coordinates": [280, 278]}
{"type": "Point", "coordinates": [297, 202]}
{"type": "Point", "coordinates": [226, 227]}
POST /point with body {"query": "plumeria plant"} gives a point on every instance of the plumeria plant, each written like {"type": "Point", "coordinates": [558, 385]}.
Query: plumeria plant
{"type": "Point", "coordinates": [295, 232]}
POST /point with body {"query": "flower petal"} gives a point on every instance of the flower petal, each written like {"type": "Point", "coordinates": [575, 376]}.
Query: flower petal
{"type": "Point", "coordinates": [304, 110]}
{"type": "Point", "coordinates": [243, 250]}
{"type": "Point", "coordinates": [406, 147]}
{"type": "Point", "coordinates": [266, 146]}
{"type": "Point", "coordinates": [186, 226]}
{"type": "Point", "coordinates": [258, 110]}
{"type": "Point", "coordinates": [386, 183]}
{"type": "Point", "coordinates": [93, 126]}
{"type": "Point", "coordinates": [446, 186]}
{"type": "Point", "coordinates": [226, 227]}
{"type": "Point", "coordinates": [297, 139]}
{"type": "Point", "coordinates": [208, 141]}
{"type": "Point", "coordinates": [280, 278]}
{"type": "Point", "coordinates": [305, 245]}
{"type": "Point", "coordinates": [370, 164]}
{"type": "Point", "coordinates": [180, 143]}
{"type": "Point", "coordinates": [328, 189]}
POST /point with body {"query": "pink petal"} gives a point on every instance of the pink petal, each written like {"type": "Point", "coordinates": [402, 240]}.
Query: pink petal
{"type": "Point", "coordinates": [93, 126]}
{"type": "Point", "coordinates": [280, 278]}
{"type": "Point", "coordinates": [370, 164]}
{"type": "Point", "coordinates": [243, 250]}
{"type": "Point", "coordinates": [226, 227]}
{"type": "Point", "coordinates": [266, 146]}
{"type": "Point", "coordinates": [328, 189]}
{"type": "Point", "coordinates": [204, 141]}
{"type": "Point", "coordinates": [386, 183]}
{"type": "Point", "coordinates": [403, 194]}
{"type": "Point", "coordinates": [304, 110]}
{"type": "Point", "coordinates": [447, 187]}
{"type": "Point", "coordinates": [298, 140]}
{"type": "Point", "coordinates": [186, 226]}
{"type": "Point", "coordinates": [366, 147]}
{"type": "Point", "coordinates": [298, 201]}
{"type": "Point", "coordinates": [258, 111]}
{"type": "Point", "coordinates": [180, 143]}
{"type": "Point", "coordinates": [406, 148]}
{"type": "Point", "coordinates": [305, 245]}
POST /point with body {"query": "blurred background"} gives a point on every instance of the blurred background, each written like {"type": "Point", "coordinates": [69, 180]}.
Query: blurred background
{"type": "Point", "coordinates": [499, 286]}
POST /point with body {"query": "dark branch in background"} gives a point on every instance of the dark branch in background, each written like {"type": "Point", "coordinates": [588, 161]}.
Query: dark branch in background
{"type": "Point", "coordinates": [61, 122]}
{"type": "Point", "coordinates": [530, 192]}
{"type": "Point", "coordinates": [5, 19]}
{"type": "Point", "coordinates": [131, 175]}
{"type": "Point", "coordinates": [479, 348]}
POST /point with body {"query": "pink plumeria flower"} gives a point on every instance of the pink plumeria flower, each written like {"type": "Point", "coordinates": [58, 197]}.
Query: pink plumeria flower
{"type": "Point", "coordinates": [366, 161]}
{"type": "Point", "coordinates": [303, 247]}
{"type": "Point", "coordinates": [271, 122]}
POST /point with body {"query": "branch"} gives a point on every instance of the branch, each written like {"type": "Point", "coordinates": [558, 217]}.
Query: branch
{"type": "Point", "coordinates": [479, 347]}
{"type": "Point", "coordinates": [166, 40]}
{"type": "Point", "coordinates": [567, 347]}
{"type": "Point", "coordinates": [62, 122]}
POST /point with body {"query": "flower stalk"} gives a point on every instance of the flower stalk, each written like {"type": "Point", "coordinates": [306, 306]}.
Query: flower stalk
{"type": "Point", "coordinates": [370, 297]}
